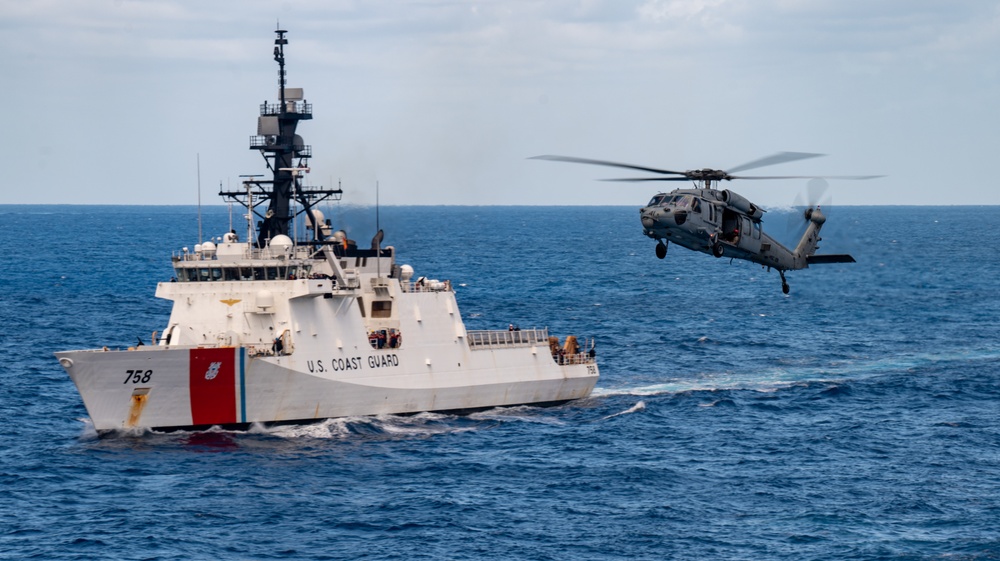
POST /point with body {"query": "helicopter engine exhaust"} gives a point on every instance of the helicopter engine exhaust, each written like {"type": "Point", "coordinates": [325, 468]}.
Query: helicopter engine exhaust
{"type": "Point", "coordinates": [739, 202]}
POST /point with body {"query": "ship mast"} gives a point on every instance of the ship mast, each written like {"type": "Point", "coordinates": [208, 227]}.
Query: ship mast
{"type": "Point", "coordinates": [285, 153]}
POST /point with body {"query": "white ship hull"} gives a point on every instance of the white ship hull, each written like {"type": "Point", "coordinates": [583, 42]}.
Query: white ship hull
{"type": "Point", "coordinates": [177, 388]}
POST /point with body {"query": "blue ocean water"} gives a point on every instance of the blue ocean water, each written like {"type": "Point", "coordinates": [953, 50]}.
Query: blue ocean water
{"type": "Point", "coordinates": [856, 418]}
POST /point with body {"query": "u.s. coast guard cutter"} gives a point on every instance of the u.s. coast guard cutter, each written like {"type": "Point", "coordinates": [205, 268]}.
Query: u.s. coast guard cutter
{"type": "Point", "coordinates": [273, 330]}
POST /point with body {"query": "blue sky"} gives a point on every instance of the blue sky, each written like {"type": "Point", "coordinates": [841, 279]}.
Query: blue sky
{"type": "Point", "coordinates": [442, 102]}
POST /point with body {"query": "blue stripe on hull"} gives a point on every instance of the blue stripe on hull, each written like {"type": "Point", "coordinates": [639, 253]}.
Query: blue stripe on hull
{"type": "Point", "coordinates": [243, 388]}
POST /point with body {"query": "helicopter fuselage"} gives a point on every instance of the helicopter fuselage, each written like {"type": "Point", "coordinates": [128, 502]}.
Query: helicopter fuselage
{"type": "Point", "coordinates": [720, 223]}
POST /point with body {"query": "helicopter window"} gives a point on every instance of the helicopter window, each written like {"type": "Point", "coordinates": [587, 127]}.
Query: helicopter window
{"type": "Point", "coordinates": [682, 202]}
{"type": "Point", "coordinates": [696, 206]}
{"type": "Point", "coordinates": [756, 230]}
{"type": "Point", "coordinates": [656, 200]}
{"type": "Point", "coordinates": [746, 226]}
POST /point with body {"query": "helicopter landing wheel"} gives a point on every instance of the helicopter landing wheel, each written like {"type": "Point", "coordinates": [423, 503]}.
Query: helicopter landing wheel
{"type": "Point", "coordinates": [784, 284]}
{"type": "Point", "coordinates": [717, 249]}
{"type": "Point", "coordinates": [661, 250]}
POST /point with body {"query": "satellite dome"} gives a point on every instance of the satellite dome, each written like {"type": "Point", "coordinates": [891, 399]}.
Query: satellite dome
{"type": "Point", "coordinates": [281, 245]}
{"type": "Point", "coordinates": [264, 301]}
{"type": "Point", "coordinates": [319, 218]}
{"type": "Point", "coordinates": [406, 273]}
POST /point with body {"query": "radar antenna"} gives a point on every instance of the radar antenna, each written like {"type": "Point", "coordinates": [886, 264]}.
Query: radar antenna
{"type": "Point", "coordinates": [283, 151]}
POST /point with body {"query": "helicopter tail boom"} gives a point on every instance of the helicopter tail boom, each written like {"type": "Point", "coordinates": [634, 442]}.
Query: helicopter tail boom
{"type": "Point", "coordinates": [805, 252]}
{"type": "Point", "coordinates": [810, 239]}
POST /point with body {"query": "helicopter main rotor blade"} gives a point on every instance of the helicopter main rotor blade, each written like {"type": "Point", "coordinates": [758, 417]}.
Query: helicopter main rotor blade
{"type": "Point", "coordinates": [779, 158]}
{"type": "Point", "coordinates": [573, 160]}
{"type": "Point", "coordinates": [806, 176]}
{"type": "Point", "coordinates": [634, 179]}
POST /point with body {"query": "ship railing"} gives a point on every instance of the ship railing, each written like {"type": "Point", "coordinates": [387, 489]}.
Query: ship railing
{"type": "Point", "coordinates": [580, 351]}
{"type": "Point", "coordinates": [577, 358]}
{"type": "Point", "coordinates": [299, 107]}
{"type": "Point", "coordinates": [505, 338]}
{"type": "Point", "coordinates": [426, 286]}
{"type": "Point", "coordinates": [272, 141]}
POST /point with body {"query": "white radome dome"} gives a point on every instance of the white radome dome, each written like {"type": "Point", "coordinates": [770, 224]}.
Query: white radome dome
{"type": "Point", "coordinates": [406, 273]}
{"type": "Point", "coordinates": [281, 245]}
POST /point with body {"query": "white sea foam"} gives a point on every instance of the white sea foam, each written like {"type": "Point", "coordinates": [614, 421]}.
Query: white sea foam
{"type": "Point", "coordinates": [639, 406]}
{"type": "Point", "coordinates": [523, 413]}
{"type": "Point", "coordinates": [777, 377]}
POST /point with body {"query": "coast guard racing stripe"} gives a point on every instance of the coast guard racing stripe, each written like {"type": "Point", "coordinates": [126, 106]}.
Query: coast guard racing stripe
{"type": "Point", "coordinates": [213, 386]}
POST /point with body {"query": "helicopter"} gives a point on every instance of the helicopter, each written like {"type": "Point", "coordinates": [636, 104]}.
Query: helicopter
{"type": "Point", "coordinates": [721, 222]}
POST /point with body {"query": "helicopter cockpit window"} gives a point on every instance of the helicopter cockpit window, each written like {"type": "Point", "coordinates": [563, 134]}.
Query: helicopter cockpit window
{"type": "Point", "coordinates": [696, 206]}
{"type": "Point", "coordinates": [682, 202]}
{"type": "Point", "coordinates": [656, 200]}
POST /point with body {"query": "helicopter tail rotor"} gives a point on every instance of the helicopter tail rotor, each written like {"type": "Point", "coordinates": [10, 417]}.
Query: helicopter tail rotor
{"type": "Point", "coordinates": [815, 197]}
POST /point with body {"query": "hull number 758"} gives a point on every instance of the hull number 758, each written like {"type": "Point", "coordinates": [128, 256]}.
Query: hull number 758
{"type": "Point", "coordinates": [137, 376]}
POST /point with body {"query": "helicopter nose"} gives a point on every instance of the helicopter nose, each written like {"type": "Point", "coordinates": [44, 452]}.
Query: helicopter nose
{"type": "Point", "coordinates": [648, 221]}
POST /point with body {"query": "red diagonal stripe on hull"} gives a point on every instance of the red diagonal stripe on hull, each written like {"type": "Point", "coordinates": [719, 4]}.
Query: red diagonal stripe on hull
{"type": "Point", "coordinates": [213, 386]}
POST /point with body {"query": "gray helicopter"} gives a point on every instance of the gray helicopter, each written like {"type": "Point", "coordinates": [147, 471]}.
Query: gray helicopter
{"type": "Point", "coordinates": [722, 223]}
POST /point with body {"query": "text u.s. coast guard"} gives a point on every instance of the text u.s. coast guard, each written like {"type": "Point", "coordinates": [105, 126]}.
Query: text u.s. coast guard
{"type": "Point", "coordinates": [388, 360]}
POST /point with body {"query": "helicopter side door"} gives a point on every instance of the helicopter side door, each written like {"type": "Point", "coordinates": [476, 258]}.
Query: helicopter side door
{"type": "Point", "coordinates": [731, 227]}
{"type": "Point", "coordinates": [749, 235]}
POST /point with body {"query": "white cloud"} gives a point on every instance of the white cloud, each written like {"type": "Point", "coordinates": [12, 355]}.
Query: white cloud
{"type": "Point", "coordinates": [443, 100]}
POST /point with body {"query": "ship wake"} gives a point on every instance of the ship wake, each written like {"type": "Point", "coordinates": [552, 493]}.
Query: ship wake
{"type": "Point", "coordinates": [778, 377]}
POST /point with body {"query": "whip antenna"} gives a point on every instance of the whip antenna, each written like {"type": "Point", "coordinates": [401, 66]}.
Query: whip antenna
{"type": "Point", "coordinates": [199, 197]}
{"type": "Point", "coordinates": [378, 231]}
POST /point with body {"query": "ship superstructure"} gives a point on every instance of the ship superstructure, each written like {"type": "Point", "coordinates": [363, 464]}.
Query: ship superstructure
{"type": "Point", "coordinates": [269, 329]}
